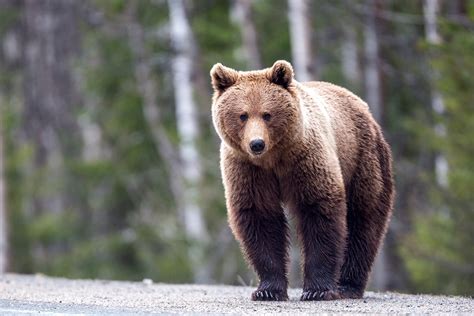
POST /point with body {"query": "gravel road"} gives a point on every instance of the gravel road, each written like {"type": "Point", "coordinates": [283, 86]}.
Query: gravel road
{"type": "Point", "coordinates": [25, 294]}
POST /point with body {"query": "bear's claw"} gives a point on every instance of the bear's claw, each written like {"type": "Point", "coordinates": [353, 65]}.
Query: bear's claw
{"type": "Point", "coordinates": [318, 295]}
{"type": "Point", "coordinates": [269, 295]}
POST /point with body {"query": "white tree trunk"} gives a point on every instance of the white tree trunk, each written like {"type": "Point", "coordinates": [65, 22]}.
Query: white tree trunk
{"type": "Point", "coordinates": [151, 111]}
{"type": "Point", "coordinates": [92, 149]}
{"type": "Point", "coordinates": [373, 95]}
{"type": "Point", "coordinates": [430, 12]}
{"type": "Point", "coordinates": [300, 38]}
{"type": "Point", "coordinates": [301, 55]}
{"type": "Point", "coordinates": [242, 14]}
{"type": "Point", "coordinates": [186, 119]}
{"type": "Point", "coordinates": [183, 183]}
{"type": "Point", "coordinates": [3, 211]}
{"type": "Point", "coordinates": [349, 56]}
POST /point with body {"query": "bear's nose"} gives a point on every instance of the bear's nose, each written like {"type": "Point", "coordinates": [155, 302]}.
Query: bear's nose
{"type": "Point", "coordinates": [257, 145]}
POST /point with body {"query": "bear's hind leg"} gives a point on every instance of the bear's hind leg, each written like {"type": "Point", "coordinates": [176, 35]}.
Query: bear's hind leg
{"type": "Point", "coordinates": [370, 198]}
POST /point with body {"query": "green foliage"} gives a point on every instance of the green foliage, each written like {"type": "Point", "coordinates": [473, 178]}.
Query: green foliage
{"type": "Point", "coordinates": [439, 254]}
{"type": "Point", "coordinates": [215, 33]}
{"type": "Point", "coordinates": [271, 22]}
{"type": "Point", "coordinates": [8, 16]}
{"type": "Point", "coordinates": [120, 219]}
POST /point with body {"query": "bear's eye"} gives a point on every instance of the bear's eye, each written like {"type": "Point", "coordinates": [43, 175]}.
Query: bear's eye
{"type": "Point", "coordinates": [244, 117]}
{"type": "Point", "coordinates": [266, 116]}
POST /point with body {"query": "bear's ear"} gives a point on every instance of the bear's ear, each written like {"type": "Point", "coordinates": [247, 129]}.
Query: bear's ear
{"type": "Point", "coordinates": [281, 73]}
{"type": "Point", "coordinates": [223, 77]}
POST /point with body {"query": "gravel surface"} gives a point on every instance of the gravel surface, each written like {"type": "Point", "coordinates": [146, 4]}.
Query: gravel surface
{"type": "Point", "coordinates": [24, 294]}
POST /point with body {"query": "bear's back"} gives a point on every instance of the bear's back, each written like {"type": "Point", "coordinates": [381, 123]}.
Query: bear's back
{"type": "Point", "coordinates": [350, 121]}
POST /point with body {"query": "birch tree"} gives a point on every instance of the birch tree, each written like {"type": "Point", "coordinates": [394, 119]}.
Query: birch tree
{"type": "Point", "coordinates": [301, 55]}
{"type": "Point", "coordinates": [50, 101]}
{"type": "Point", "coordinates": [187, 125]}
{"type": "Point", "coordinates": [151, 111]}
{"type": "Point", "coordinates": [371, 71]}
{"type": "Point", "coordinates": [430, 13]}
{"type": "Point", "coordinates": [242, 15]}
{"type": "Point", "coordinates": [349, 56]}
{"type": "Point", "coordinates": [373, 95]}
{"type": "Point", "coordinates": [300, 37]}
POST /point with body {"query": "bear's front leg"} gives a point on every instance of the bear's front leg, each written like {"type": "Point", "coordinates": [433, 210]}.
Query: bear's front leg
{"type": "Point", "coordinates": [322, 231]}
{"type": "Point", "coordinates": [264, 241]}
{"type": "Point", "coordinates": [259, 223]}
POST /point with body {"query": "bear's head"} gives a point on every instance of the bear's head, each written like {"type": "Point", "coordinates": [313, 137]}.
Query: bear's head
{"type": "Point", "coordinates": [254, 112]}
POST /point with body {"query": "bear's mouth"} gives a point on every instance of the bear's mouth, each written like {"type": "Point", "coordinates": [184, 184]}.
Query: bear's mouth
{"type": "Point", "coordinates": [257, 154]}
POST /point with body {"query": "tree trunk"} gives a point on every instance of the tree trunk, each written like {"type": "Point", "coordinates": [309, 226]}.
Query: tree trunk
{"type": "Point", "coordinates": [300, 37]}
{"type": "Point", "coordinates": [151, 111]}
{"type": "Point", "coordinates": [372, 72]}
{"type": "Point", "coordinates": [349, 57]}
{"type": "Point", "coordinates": [52, 43]}
{"type": "Point", "coordinates": [242, 14]}
{"type": "Point", "coordinates": [188, 128]}
{"type": "Point", "coordinates": [373, 94]}
{"type": "Point", "coordinates": [430, 12]}
{"type": "Point", "coordinates": [388, 272]}
{"type": "Point", "coordinates": [49, 124]}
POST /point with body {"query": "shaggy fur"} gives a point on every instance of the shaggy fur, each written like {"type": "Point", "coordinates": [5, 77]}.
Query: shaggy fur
{"type": "Point", "coordinates": [325, 161]}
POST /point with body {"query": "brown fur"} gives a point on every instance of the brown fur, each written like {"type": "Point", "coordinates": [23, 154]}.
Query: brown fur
{"type": "Point", "coordinates": [325, 160]}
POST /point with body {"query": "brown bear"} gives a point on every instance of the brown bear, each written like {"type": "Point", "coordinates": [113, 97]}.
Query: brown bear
{"type": "Point", "coordinates": [315, 150]}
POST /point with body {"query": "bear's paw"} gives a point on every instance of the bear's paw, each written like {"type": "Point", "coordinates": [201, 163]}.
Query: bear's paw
{"type": "Point", "coordinates": [269, 295]}
{"type": "Point", "coordinates": [350, 292]}
{"type": "Point", "coordinates": [320, 295]}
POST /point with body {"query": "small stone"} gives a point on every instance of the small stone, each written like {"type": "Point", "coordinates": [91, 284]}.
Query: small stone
{"type": "Point", "coordinates": [147, 281]}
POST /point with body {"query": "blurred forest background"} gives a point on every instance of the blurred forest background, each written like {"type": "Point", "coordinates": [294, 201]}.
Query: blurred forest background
{"type": "Point", "coordinates": [109, 161]}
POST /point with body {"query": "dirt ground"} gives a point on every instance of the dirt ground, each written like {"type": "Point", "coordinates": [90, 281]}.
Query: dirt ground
{"type": "Point", "coordinates": [27, 294]}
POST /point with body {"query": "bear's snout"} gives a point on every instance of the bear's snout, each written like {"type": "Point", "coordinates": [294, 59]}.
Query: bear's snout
{"type": "Point", "coordinates": [257, 146]}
